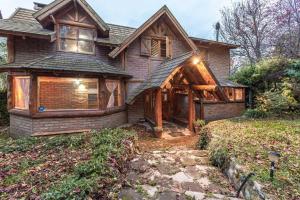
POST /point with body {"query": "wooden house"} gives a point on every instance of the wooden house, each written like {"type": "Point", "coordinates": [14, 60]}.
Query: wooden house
{"type": "Point", "coordinates": [69, 71]}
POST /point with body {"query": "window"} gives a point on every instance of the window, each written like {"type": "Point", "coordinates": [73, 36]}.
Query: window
{"type": "Point", "coordinates": [235, 94]}
{"type": "Point", "coordinates": [67, 94]}
{"type": "Point", "coordinates": [158, 48]}
{"type": "Point", "coordinates": [114, 89]}
{"type": "Point", "coordinates": [74, 39]}
{"type": "Point", "coordinates": [21, 92]}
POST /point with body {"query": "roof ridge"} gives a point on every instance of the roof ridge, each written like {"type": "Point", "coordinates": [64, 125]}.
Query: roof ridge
{"type": "Point", "coordinates": [125, 26]}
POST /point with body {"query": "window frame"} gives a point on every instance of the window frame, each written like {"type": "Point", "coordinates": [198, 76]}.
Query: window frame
{"type": "Point", "coordinates": [160, 41]}
{"type": "Point", "coordinates": [232, 90]}
{"type": "Point", "coordinates": [77, 39]}
{"type": "Point", "coordinates": [58, 110]}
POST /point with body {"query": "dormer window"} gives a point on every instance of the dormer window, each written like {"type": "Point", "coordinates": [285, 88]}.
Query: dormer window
{"type": "Point", "coordinates": [75, 39]}
{"type": "Point", "coordinates": [159, 48]}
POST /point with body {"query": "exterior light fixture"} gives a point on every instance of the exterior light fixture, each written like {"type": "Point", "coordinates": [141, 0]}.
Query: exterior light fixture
{"type": "Point", "coordinates": [274, 158]}
{"type": "Point", "coordinates": [81, 88]}
{"type": "Point", "coordinates": [77, 81]}
{"type": "Point", "coordinates": [196, 61]}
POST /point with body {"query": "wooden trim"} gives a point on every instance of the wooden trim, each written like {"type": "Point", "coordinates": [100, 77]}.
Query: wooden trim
{"type": "Point", "coordinates": [33, 94]}
{"type": "Point", "coordinates": [205, 87]}
{"type": "Point", "coordinates": [5, 33]}
{"type": "Point", "coordinates": [77, 24]}
{"type": "Point", "coordinates": [10, 49]}
{"type": "Point", "coordinates": [170, 77]}
{"type": "Point", "coordinates": [68, 114]}
{"type": "Point", "coordinates": [10, 92]}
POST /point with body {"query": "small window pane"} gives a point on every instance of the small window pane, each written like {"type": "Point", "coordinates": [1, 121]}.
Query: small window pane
{"type": "Point", "coordinates": [68, 45]}
{"type": "Point", "coordinates": [68, 32]}
{"type": "Point", "coordinates": [154, 48]}
{"type": "Point", "coordinates": [85, 46]}
{"type": "Point", "coordinates": [21, 92]}
{"type": "Point", "coordinates": [163, 49]}
{"type": "Point", "coordinates": [239, 94]}
{"type": "Point", "coordinates": [86, 34]}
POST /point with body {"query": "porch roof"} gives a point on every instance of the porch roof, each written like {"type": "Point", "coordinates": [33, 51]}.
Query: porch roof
{"type": "Point", "coordinates": [64, 62]}
{"type": "Point", "coordinates": [159, 75]}
{"type": "Point", "coordinates": [229, 83]}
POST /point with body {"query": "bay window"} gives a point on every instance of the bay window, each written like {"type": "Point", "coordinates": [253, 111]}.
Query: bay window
{"type": "Point", "coordinates": [21, 92]}
{"type": "Point", "coordinates": [75, 39]}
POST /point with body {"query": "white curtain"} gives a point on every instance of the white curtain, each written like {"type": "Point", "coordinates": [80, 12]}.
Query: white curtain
{"type": "Point", "coordinates": [111, 87]}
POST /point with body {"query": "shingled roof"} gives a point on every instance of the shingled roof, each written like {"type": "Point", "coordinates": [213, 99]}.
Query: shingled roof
{"type": "Point", "coordinates": [159, 75]}
{"type": "Point", "coordinates": [67, 62]}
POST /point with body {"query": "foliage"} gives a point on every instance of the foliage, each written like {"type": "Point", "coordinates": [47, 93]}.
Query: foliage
{"type": "Point", "coordinates": [204, 139]}
{"type": "Point", "coordinates": [277, 101]}
{"type": "Point", "coordinates": [199, 123]}
{"type": "Point", "coordinates": [255, 113]}
{"type": "Point", "coordinates": [219, 157]}
{"type": "Point", "coordinates": [250, 141]}
{"type": "Point", "coordinates": [4, 115]}
{"type": "Point", "coordinates": [294, 70]}
{"type": "Point", "coordinates": [65, 167]}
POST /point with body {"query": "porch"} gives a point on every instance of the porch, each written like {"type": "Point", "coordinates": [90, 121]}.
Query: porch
{"type": "Point", "coordinates": [173, 90]}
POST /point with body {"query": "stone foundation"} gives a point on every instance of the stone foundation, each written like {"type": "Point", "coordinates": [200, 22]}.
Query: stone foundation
{"type": "Point", "coordinates": [216, 111]}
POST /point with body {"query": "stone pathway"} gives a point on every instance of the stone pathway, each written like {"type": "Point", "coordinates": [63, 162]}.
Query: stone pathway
{"type": "Point", "coordinates": [179, 174]}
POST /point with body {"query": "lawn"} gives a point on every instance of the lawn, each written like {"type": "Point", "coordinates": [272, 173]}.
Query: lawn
{"type": "Point", "coordinates": [84, 166]}
{"type": "Point", "coordinates": [251, 141]}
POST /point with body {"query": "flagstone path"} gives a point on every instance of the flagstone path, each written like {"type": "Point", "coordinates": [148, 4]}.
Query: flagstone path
{"type": "Point", "coordinates": [177, 173]}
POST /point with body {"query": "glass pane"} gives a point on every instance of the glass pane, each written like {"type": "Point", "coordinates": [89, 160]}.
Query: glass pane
{"type": "Point", "coordinates": [163, 49]}
{"type": "Point", "coordinates": [239, 94]}
{"type": "Point", "coordinates": [68, 45]}
{"type": "Point", "coordinates": [68, 93]}
{"type": "Point", "coordinates": [154, 48]}
{"type": "Point", "coordinates": [85, 46]}
{"type": "Point", "coordinates": [113, 86]}
{"type": "Point", "coordinates": [86, 34]}
{"type": "Point", "coordinates": [68, 32]}
{"type": "Point", "coordinates": [21, 92]}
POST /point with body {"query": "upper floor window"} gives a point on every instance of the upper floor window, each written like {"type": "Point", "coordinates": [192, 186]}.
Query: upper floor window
{"type": "Point", "coordinates": [75, 39]}
{"type": "Point", "coordinates": [158, 48]}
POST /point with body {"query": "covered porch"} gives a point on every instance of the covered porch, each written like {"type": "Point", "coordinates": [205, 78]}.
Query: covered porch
{"type": "Point", "coordinates": [171, 93]}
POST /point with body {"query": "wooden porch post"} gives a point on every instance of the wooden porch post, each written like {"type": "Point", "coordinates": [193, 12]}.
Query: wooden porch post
{"type": "Point", "coordinates": [192, 115]}
{"type": "Point", "coordinates": [158, 108]}
{"type": "Point", "coordinates": [10, 49]}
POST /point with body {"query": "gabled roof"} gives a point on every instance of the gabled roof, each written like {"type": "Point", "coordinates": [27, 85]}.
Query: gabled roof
{"type": "Point", "coordinates": [213, 42]}
{"type": "Point", "coordinates": [163, 11]}
{"type": "Point", "coordinates": [58, 4]}
{"type": "Point", "coordinates": [65, 62]}
{"type": "Point", "coordinates": [159, 75]}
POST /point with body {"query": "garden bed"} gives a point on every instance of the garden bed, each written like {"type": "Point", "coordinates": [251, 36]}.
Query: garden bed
{"type": "Point", "coordinates": [250, 141]}
{"type": "Point", "coordinates": [83, 166]}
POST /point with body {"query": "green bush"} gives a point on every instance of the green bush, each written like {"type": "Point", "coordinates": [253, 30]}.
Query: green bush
{"type": "Point", "coordinates": [204, 139]}
{"type": "Point", "coordinates": [219, 157]}
{"type": "Point", "coordinates": [255, 113]}
{"type": "Point", "coordinates": [4, 115]}
{"type": "Point", "coordinates": [199, 122]}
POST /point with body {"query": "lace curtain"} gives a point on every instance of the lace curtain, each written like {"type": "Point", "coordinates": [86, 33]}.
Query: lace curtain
{"type": "Point", "coordinates": [111, 86]}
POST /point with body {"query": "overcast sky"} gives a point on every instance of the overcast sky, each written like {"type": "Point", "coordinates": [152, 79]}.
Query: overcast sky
{"type": "Point", "coordinates": [196, 16]}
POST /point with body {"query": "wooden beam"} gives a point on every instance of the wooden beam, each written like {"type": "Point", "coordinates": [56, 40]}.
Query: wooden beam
{"type": "Point", "coordinates": [170, 77]}
{"type": "Point", "coordinates": [33, 95]}
{"type": "Point", "coordinates": [158, 108]}
{"type": "Point", "coordinates": [10, 49]}
{"type": "Point", "coordinates": [10, 102]}
{"type": "Point", "coordinates": [191, 108]}
{"type": "Point", "coordinates": [76, 24]}
{"type": "Point", "coordinates": [205, 87]}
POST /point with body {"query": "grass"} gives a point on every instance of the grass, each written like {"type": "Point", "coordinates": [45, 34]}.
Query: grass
{"type": "Point", "coordinates": [64, 167]}
{"type": "Point", "coordinates": [251, 141]}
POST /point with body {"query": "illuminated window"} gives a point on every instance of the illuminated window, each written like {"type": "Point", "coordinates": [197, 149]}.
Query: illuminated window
{"type": "Point", "coordinates": [21, 92]}
{"type": "Point", "coordinates": [67, 94]}
{"type": "Point", "coordinates": [239, 94]}
{"type": "Point", "coordinates": [74, 39]}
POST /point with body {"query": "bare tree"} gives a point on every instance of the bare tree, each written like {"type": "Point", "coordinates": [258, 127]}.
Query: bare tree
{"type": "Point", "coordinates": [247, 24]}
{"type": "Point", "coordinates": [286, 37]}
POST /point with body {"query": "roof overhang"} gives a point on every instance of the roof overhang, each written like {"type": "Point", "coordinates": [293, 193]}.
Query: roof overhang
{"type": "Point", "coordinates": [163, 11]}
{"type": "Point", "coordinates": [214, 43]}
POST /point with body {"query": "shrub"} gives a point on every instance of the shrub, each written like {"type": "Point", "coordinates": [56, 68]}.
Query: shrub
{"type": "Point", "coordinates": [4, 115]}
{"type": "Point", "coordinates": [255, 113]}
{"type": "Point", "coordinates": [219, 157]}
{"type": "Point", "coordinates": [204, 139]}
{"type": "Point", "coordinates": [199, 122]}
